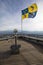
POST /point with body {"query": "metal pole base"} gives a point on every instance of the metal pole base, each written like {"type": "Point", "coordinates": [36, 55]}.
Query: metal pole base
{"type": "Point", "coordinates": [15, 49]}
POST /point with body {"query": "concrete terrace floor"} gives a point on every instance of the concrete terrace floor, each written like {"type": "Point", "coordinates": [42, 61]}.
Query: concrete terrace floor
{"type": "Point", "coordinates": [29, 54]}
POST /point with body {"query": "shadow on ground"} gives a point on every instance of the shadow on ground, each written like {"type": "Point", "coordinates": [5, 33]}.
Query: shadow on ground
{"type": "Point", "coordinates": [35, 44]}
{"type": "Point", "coordinates": [8, 53]}
{"type": "Point", "coordinates": [5, 54]}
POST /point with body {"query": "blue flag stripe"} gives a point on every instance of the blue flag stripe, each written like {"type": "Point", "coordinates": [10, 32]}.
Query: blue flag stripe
{"type": "Point", "coordinates": [32, 15]}
{"type": "Point", "coordinates": [24, 11]}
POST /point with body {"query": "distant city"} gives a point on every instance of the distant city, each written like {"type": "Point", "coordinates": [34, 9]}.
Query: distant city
{"type": "Point", "coordinates": [29, 33]}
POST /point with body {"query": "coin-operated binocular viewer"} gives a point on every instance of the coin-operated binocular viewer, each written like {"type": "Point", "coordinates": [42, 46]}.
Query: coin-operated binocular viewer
{"type": "Point", "coordinates": [15, 49]}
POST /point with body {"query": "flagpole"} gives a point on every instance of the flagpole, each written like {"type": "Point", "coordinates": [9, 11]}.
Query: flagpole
{"type": "Point", "coordinates": [21, 21]}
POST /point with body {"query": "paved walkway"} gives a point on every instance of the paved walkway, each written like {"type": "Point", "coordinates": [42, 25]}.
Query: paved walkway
{"type": "Point", "coordinates": [29, 54]}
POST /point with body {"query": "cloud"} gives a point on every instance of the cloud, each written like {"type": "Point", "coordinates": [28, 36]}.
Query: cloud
{"type": "Point", "coordinates": [35, 24]}
{"type": "Point", "coordinates": [10, 15]}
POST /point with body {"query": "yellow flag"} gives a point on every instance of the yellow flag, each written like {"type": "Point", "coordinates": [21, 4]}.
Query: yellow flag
{"type": "Point", "coordinates": [32, 8]}
{"type": "Point", "coordinates": [25, 16]}
{"type": "Point", "coordinates": [30, 12]}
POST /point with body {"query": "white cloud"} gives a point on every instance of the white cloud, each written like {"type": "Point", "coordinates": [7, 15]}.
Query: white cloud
{"type": "Point", "coordinates": [35, 24]}
{"type": "Point", "coordinates": [11, 21]}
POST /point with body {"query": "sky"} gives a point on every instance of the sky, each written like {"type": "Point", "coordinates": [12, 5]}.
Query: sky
{"type": "Point", "coordinates": [10, 15]}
